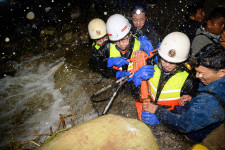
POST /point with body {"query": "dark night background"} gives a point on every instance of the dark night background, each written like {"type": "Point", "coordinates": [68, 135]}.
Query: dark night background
{"type": "Point", "coordinates": [166, 14]}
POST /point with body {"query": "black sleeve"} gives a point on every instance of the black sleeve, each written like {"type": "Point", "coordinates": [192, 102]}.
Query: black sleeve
{"type": "Point", "coordinates": [99, 60]}
{"type": "Point", "coordinates": [190, 86]}
{"type": "Point", "coordinates": [151, 32]}
{"type": "Point", "coordinates": [105, 71]}
{"type": "Point", "coordinates": [94, 60]}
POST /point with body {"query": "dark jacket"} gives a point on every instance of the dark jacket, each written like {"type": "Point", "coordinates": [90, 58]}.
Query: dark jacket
{"type": "Point", "coordinates": [204, 114]}
{"type": "Point", "coordinates": [149, 30]}
{"type": "Point", "coordinates": [189, 28]}
{"type": "Point", "coordinates": [99, 59]}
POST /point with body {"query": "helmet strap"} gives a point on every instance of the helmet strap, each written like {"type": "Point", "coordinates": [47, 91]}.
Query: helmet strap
{"type": "Point", "coordinates": [162, 68]}
{"type": "Point", "coordinates": [178, 68]}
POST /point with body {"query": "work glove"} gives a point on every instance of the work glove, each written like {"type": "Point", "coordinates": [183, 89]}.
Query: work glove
{"type": "Point", "coordinates": [149, 118]}
{"type": "Point", "coordinates": [159, 44]}
{"type": "Point", "coordinates": [121, 74]}
{"type": "Point", "coordinates": [117, 61]}
{"type": "Point", "coordinates": [143, 73]}
{"type": "Point", "coordinates": [156, 57]}
{"type": "Point", "coordinates": [146, 45]}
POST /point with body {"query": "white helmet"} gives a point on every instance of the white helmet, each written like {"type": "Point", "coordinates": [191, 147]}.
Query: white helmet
{"type": "Point", "coordinates": [96, 29]}
{"type": "Point", "coordinates": [117, 27]}
{"type": "Point", "coordinates": [175, 47]}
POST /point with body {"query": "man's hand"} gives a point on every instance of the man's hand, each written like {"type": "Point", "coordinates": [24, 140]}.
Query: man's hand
{"type": "Point", "coordinates": [150, 107]}
{"type": "Point", "coordinates": [184, 99]}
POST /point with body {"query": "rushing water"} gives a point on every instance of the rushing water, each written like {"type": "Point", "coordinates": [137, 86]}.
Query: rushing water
{"type": "Point", "coordinates": [32, 100]}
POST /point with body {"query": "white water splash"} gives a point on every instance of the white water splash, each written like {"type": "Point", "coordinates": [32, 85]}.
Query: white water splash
{"type": "Point", "coordinates": [30, 103]}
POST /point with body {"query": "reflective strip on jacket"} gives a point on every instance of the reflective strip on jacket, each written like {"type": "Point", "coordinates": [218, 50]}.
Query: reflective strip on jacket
{"type": "Point", "coordinates": [96, 46]}
{"type": "Point", "coordinates": [115, 53]}
{"type": "Point", "coordinates": [170, 94]}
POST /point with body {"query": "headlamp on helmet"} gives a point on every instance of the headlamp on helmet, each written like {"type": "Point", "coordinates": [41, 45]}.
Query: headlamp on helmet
{"type": "Point", "coordinates": [138, 9]}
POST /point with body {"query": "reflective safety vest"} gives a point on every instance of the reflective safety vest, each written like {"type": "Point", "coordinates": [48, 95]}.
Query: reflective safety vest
{"type": "Point", "coordinates": [116, 53]}
{"type": "Point", "coordinates": [170, 94]}
{"type": "Point", "coordinates": [96, 45]}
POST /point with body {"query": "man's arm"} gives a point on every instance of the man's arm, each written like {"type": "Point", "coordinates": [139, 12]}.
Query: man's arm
{"type": "Point", "coordinates": [190, 86]}
{"type": "Point", "coordinates": [204, 110]}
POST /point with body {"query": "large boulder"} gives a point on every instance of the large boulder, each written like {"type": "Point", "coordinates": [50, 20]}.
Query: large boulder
{"type": "Point", "coordinates": [109, 132]}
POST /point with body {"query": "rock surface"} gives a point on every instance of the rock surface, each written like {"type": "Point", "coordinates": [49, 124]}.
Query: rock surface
{"type": "Point", "coordinates": [109, 132]}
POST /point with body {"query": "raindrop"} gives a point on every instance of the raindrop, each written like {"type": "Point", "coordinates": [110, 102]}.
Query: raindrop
{"type": "Point", "coordinates": [34, 26]}
{"type": "Point", "coordinates": [47, 9]}
{"type": "Point", "coordinates": [7, 39]}
{"type": "Point", "coordinates": [30, 15]}
{"type": "Point", "coordinates": [105, 13]}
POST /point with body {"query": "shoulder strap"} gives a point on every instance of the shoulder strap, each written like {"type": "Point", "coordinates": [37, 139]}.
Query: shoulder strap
{"type": "Point", "coordinates": [162, 82]}
{"type": "Point", "coordinates": [220, 100]}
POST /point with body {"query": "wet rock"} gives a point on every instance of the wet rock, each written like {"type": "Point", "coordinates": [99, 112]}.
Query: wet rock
{"type": "Point", "coordinates": [106, 132]}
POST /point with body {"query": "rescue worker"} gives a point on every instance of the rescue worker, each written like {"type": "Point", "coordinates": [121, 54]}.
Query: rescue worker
{"type": "Point", "coordinates": [100, 47]}
{"type": "Point", "coordinates": [194, 17]}
{"type": "Point", "coordinates": [124, 44]}
{"type": "Point", "coordinates": [210, 31]}
{"type": "Point", "coordinates": [206, 110]}
{"type": "Point", "coordinates": [171, 79]}
{"type": "Point", "coordinates": [142, 26]}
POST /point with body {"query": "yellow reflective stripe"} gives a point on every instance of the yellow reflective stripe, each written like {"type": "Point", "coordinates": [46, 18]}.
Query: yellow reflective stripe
{"type": "Point", "coordinates": [152, 86]}
{"type": "Point", "coordinates": [137, 45]}
{"type": "Point", "coordinates": [115, 53]}
{"type": "Point", "coordinates": [172, 88]}
{"type": "Point", "coordinates": [167, 91]}
{"type": "Point", "coordinates": [165, 99]}
{"type": "Point", "coordinates": [171, 91]}
{"type": "Point", "coordinates": [96, 45]}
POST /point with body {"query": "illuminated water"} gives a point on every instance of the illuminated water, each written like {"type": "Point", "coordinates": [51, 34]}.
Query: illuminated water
{"type": "Point", "coordinates": [43, 88]}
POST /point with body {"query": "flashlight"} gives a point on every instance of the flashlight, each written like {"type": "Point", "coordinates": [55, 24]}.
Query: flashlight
{"type": "Point", "coordinates": [138, 11]}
